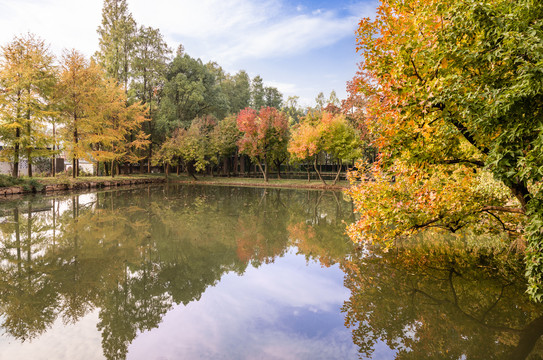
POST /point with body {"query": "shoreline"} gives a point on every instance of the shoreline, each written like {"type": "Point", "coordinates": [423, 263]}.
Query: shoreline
{"type": "Point", "coordinates": [52, 185]}
{"type": "Point", "coordinates": [310, 186]}
{"type": "Point", "coordinates": [78, 184]}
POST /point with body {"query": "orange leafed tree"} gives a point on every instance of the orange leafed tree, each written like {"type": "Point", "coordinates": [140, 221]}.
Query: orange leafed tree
{"type": "Point", "coordinates": [325, 132]}
{"type": "Point", "coordinates": [454, 104]}
{"type": "Point", "coordinates": [264, 135]}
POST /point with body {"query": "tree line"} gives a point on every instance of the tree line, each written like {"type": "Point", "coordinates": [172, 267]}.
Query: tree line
{"type": "Point", "coordinates": [132, 104]}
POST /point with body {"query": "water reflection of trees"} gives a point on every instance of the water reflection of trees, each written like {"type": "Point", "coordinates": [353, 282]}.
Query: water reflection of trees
{"type": "Point", "coordinates": [133, 254]}
{"type": "Point", "coordinates": [442, 304]}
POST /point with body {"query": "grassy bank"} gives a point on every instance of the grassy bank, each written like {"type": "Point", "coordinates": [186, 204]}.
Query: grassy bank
{"type": "Point", "coordinates": [258, 182]}
{"type": "Point", "coordinates": [9, 185]}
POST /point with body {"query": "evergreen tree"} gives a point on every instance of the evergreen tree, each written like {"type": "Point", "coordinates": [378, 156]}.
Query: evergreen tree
{"type": "Point", "coordinates": [117, 41]}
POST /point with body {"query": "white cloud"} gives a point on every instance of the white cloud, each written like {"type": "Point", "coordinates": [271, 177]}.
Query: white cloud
{"type": "Point", "coordinates": [61, 341]}
{"type": "Point", "coordinates": [236, 29]}
{"type": "Point", "coordinates": [285, 88]}
{"type": "Point", "coordinates": [263, 314]}
{"type": "Point", "coordinates": [61, 23]}
{"type": "Point", "coordinates": [287, 37]}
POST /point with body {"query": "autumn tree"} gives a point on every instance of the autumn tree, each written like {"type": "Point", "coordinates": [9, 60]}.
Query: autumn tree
{"type": "Point", "coordinates": [444, 111]}
{"type": "Point", "coordinates": [196, 147]}
{"type": "Point", "coordinates": [325, 133]}
{"type": "Point", "coordinates": [77, 100]}
{"type": "Point", "coordinates": [264, 135]}
{"type": "Point", "coordinates": [118, 120]}
{"type": "Point", "coordinates": [169, 152]}
{"type": "Point", "coordinates": [27, 79]}
{"type": "Point", "coordinates": [224, 139]}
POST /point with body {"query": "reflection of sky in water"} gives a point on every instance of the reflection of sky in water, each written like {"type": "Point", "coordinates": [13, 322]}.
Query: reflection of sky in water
{"type": "Point", "coordinates": [285, 310]}
{"type": "Point", "coordinates": [79, 341]}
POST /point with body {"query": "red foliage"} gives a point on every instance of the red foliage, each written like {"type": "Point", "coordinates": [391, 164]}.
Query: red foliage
{"type": "Point", "coordinates": [261, 130]}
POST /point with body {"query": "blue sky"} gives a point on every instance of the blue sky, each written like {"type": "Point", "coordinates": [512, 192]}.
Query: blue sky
{"type": "Point", "coordinates": [300, 47]}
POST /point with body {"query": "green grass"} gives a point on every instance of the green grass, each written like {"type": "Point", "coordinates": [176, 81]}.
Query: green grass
{"type": "Point", "coordinates": [39, 182]}
{"type": "Point", "coordinates": [272, 182]}
{"type": "Point", "coordinates": [28, 184]}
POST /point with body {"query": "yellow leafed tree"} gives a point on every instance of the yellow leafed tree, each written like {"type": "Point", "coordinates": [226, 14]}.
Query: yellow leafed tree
{"type": "Point", "coordinates": [27, 81]}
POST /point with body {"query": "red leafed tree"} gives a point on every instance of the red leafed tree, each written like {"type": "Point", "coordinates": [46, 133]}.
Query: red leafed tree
{"type": "Point", "coordinates": [264, 135]}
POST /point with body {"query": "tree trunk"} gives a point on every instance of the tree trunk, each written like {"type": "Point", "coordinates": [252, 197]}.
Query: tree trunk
{"type": "Point", "coordinates": [112, 168]}
{"type": "Point", "coordinates": [190, 169]}
{"type": "Point", "coordinates": [29, 157]}
{"type": "Point", "coordinates": [54, 159]}
{"type": "Point", "coordinates": [338, 172]}
{"type": "Point", "coordinates": [265, 170]}
{"type": "Point", "coordinates": [317, 170]}
{"type": "Point", "coordinates": [74, 167]}
{"type": "Point", "coordinates": [278, 165]}
{"type": "Point", "coordinates": [150, 155]}
{"type": "Point", "coordinates": [236, 161]}
{"type": "Point", "coordinates": [225, 167]}
{"type": "Point", "coordinates": [16, 154]}
{"type": "Point", "coordinates": [29, 151]}
{"type": "Point", "coordinates": [242, 164]}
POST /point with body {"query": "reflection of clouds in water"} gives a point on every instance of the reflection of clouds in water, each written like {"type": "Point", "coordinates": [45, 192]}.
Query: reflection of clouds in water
{"type": "Point", "coordinates": [286, 310]}
{"type": "Point", "coordinates": [74, 341]}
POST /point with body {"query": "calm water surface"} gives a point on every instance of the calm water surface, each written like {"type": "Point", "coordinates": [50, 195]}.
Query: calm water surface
{"type": "Point", "coordinates": [199, 272]}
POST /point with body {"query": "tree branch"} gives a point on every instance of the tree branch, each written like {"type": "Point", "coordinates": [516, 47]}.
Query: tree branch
{"type": "Point", "coordinates": [478, 163]}
{"type": "Point", "coordinates": [504, 209]}
{"type": "Point", "coordinates": [416, 72]}
{"type": "Point", "coordinates": [463, 130]}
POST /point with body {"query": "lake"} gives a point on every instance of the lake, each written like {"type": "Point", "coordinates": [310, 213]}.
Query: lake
{"type": "Point", "coordinates": [203, 272]}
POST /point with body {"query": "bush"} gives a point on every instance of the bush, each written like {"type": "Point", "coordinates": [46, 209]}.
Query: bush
{"type": "Point", "coordinates": [7, 181]}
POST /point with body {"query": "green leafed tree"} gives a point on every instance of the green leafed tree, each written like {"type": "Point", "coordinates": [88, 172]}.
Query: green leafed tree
{"type": "Point", "coordinates": [224, 139]}
{"type": "Point", "coordinates": [117, 40]}
{"type": "Point", "coordinates": [258, 99]}
{"type": "Point", "coordinates": [273, 97]}
{"type": "Point", "coordinates": [190, 91]}
{"type": "Point", "coordinates": [238, 90]}
{"type": "Point", "coordinates": [151, 55]}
